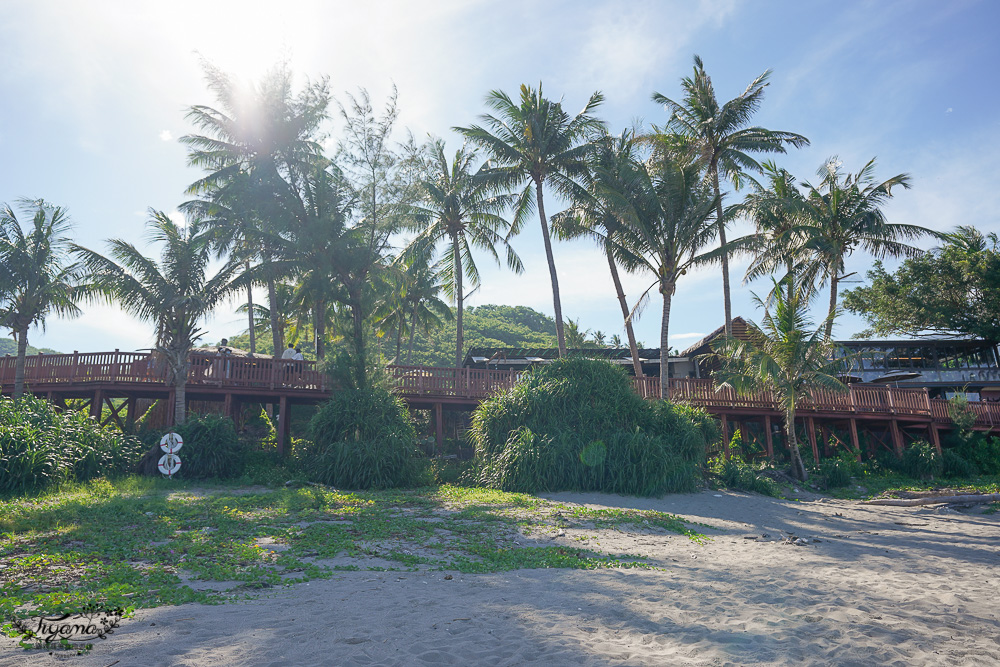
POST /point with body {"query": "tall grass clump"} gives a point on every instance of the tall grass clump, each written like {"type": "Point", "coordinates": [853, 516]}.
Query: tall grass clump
{"type": "Point", "coordinates": [364, 439]}
{"type": "Point", "coordinates": [576, 424]}
{"type": "Point", "coordinates": [41, 446]}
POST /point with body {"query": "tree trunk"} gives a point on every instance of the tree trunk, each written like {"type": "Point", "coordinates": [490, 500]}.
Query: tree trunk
{"type": "Point", "coordinates": [413, 330]}
{"type": "Point", "coordinates": [357, 318]}
{"type": "Point", "coordinates": [319, 328]}
{"type": "Point", "coordinates": [629, 331]}
{"type": "Point", "coordinates": [399, 339]}
{"type": "Point", "coordinates": [180, 400]}
{"type": "Point", "coordinates": [22, 351]}
{"type": "Point", "coordinates": [459, 342]}
{"type": "Point", "coordinates": [798, 468]}
{"type": "Point", "coordinates": [668, 293]}
{"type": "Point", "coordinates": [277, 335]}
{"type": "Point", "coordinates": [834, 282]}
{"type": "Point", "coordinates": [253, 334]}
{"type": "Point", "coordinates": [725, 254]}
{"type": "Point", "coordinates": [556, 302]}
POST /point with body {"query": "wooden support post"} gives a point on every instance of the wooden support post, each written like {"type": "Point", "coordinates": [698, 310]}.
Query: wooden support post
{"type": "Point", "coordinates": [854, 439]}
{"type": "Point", "coordinates": [935, 437]}
{"type": "Point", "coordinates": [439, 425]}
{"type": "Point", "coordinates": [897, 437]}
{"type": "Point", "coordinates": [97, 405]}
{"type": "Point", "coordinates": [811, 427]}
{"type": "Point", "coordinates": [825, 435]}
{"type": "Point", "coordinates": [768, 437]}
{"type": "Point", "coordinates": [130, 413]}
{"type": "Point", "coordinates": [725, 436]}
{"type": "Point", "coordinates": [282, 424]}
{"type": "Point", "coordinates": [227, 406]}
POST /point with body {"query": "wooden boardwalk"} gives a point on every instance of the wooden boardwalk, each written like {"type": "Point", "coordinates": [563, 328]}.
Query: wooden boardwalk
{"type": "Point", "coordinates": [101, 377]}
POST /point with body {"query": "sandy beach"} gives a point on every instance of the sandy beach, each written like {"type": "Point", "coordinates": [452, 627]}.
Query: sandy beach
{"type": "Point", "coordinates": [867, 585]}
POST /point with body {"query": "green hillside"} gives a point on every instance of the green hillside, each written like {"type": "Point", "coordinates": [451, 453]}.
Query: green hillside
{"type": "Point", "coordinates": [8, 346]}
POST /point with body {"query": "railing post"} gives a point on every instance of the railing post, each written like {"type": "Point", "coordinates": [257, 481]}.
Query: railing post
{"type": "Point", "coordinates": [76, 364]}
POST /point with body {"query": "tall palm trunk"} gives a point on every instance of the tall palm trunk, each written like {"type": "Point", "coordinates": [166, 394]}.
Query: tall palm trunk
{"type": "Point", "coordinates": [798, 468]}
{"type": "Point", "coordinates": [714, 168]}
{"type": "Point", "coordinates": [319, 328]}
{"type": "Point", "coordinates": [668, 293]}
{"type": "Point", "coordinates": [834, 282]}
{"type": "Point", "coordinates": [357, 319]}
{"type": "Point", "coordinates": [629, 331]}
{"type": "Point", "coordinates": [399, 339]}
{"type": "Point", "coordinates": [413, 330]}
{"type": "Point", "coordinates": [22, 351]}
{"type": "Point", "coordinates": [459, 297]}
{"type": "Point", "coordinates": [251, 331]}
{"type": "Point", "coordinates": [556, 302]}
{"type": "Point", "coordinates": [178, 362]}
{"type": "Point", "coordinates": [277, 334]}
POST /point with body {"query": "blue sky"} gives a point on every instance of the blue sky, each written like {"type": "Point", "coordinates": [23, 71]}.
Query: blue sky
{"type": "Point", "coordinates": [94, 96]}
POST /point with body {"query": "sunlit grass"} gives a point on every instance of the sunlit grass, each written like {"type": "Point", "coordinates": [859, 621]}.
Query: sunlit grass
{"type": "Point", "coordinates": [135, 542]}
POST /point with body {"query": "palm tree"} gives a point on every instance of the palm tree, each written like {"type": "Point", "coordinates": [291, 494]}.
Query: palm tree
{"type": "Point", "coordinates": [257, 148]}
{"type": "Point", "coordinates": [459, 206]}
{"type": "Point", "coordinates": [536, 142]}
{"type": "Point", "coordinates": [38, 276]}
{"type": "Point", "coordinates": [784, 355]}
{"type": "Point", "coordinates": [422, 304]}
{"type": "Point", "coordinates": [845, 213]}
{"type": "Point", "coordinates": [175, 293]}
{"type": "Point", "coordinates": [777, 210]}
{"type": "Point", "coordinates": [666, 211]}
{"type": "Point", "coordinates": [591, 216]}
{"type": "Point", "coordinates": [722, 138]}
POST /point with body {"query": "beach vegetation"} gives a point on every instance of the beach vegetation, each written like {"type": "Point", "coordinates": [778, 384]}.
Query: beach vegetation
{"type": "Point", "coordinates": [42, 447]}
{"type": "Point", "coordinates": [785, 355]}
{"type": "Point", "coordinates": [364, 439]}
{"type": "Point", "coordinates": [576, 424]}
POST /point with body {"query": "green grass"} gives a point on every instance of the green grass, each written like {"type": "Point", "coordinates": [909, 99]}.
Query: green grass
{"type": "Point", "coordinates": [132, 542]}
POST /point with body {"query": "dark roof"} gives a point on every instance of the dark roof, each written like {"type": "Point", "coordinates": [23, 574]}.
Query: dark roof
{"type": "Point", "coordinates": [738, 323]}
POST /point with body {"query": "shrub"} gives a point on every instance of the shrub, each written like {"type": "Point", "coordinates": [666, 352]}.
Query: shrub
{"type": "Point", "coordinates": [956, 465]}
{"type": "Point", "coordinates": [921, 461]}
{"type": "Point", "coordinates": [576, 424]}
{"type": "Point", "coordinates": [364, 439]}
{"type": "Point", "coordinates": [40, 446]}
{"type": "Point", "coordinates": [735, 473]}
{"type": "Point", "coordinates": [212, 448]}
{"type": "Point", "coordinates": [983, 452]}
{"type": "Point", "coordinates": [837, 472]}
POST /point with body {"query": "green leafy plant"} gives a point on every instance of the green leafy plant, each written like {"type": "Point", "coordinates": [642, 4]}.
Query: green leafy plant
{"type": "Point", "coordinates": [921, 461]}
{"type": "Point", "coordinates": [364, 439]}
{"type": "Point", "coordinates": [735, 473]}
{"type": "Point", "coordinates": [41, 446]}
{"type": "Point", "coordinates": [211, 448]}
{"type": "Point", "coordinates": [577, 424]}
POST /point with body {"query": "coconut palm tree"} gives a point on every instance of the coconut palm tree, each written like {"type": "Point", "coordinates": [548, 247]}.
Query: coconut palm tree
{"type": "Point", "coordinates": [537, 143]}
{"type": "Point", "coordinates": [175, 293]}
{"type": "Point", "coordinates": [785, 355]}
{"type": "Point", "coordinates": [590, 214]}
{"type": "Point", "coordinates": [844, 213]}
{"type": "Point", "coordinates": [723, 139]}
{"type": "Point", "coordinates": [257, 148]}
{"type": "Point", "coordinates": [37, 275]}
{"type": "Point", "coordinates": [776, 208]}
{"type": "Point", "coordinates": [666, 211]}
{"type": "Point", "coordinates": [460, 207]}
{"type": "Point", "coordinates": [426, 310]}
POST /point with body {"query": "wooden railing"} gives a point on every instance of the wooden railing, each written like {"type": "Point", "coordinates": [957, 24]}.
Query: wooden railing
{"type": "Point", "coordinates": [58, 370]}
{"type": "Point", "coordinates": [52, 371]}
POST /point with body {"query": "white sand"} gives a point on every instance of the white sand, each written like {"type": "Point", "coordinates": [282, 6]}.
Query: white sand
{"type": "Point", "coordinates": [884, 586]}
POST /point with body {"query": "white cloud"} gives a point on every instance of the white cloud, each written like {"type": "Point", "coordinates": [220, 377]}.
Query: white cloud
{"type": "Point", "coordinates": [948, 110]}
{"type": "Point", "coordinates": [165, 135]}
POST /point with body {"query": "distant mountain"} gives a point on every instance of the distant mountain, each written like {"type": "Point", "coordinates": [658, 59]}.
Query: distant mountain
{"type": "Point", "coordinates": [8, 346]}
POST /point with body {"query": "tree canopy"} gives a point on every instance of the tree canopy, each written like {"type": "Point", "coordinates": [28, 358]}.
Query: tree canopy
{"type": "Point", "coordinates": [953, 290]}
